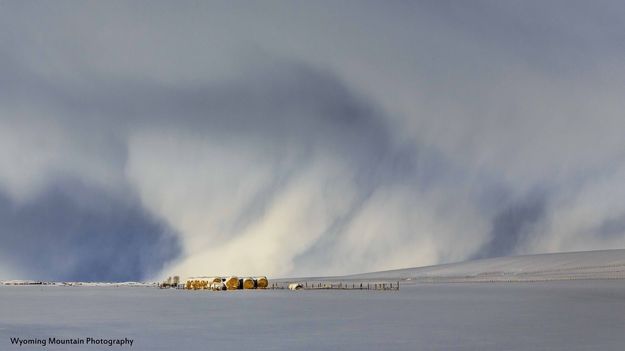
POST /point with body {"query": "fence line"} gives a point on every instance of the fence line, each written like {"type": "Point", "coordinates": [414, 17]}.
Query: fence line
{"type": "Point", "coordinates": [316, 285]}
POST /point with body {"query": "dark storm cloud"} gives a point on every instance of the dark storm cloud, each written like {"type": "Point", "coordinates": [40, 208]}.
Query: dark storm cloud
{"type": "Point", "coordinates": [538, 32]}
{"type": "Point", "coordinates": [73, 232]}
{"type": "Point", "coordinates": [514, 224]}
{"type": "Point", "coordinates": [276, 102]}
{"type": "Point", "coordinates": [404, 128]}
{"type": "Point", "coordinates": [276, 107]}
{"type": "Point", "coordinates": [612, 227]}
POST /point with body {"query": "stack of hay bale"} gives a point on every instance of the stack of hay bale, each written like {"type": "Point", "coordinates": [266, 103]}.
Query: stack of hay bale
{"type": "Point", "coordinates": [229, 283]}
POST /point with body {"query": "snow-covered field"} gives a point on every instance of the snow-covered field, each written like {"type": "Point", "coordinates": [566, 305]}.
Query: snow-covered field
{"type": "Point", "coordinates": [605, 264]}
{"type": "Point", "coordinates": [566, 311]}
{"type": "Point", "coordinates": [577, 315]}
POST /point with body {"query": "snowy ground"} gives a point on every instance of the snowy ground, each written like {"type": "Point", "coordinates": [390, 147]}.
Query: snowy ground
{"type": "Point", "coordinates": [605, 264]}
{"type": "Point", "coordinates": [573, 315]}
{"type": "Point", "coordinates": [570, 301]}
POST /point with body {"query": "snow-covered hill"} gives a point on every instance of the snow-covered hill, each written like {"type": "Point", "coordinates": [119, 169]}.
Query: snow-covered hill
{"type": "Point", "coordinates": [605, 264]}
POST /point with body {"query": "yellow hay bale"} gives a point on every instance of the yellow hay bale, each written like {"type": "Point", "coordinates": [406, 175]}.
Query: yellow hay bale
{"type": "Point", "coordinates": [201, 283]}
{"type": "Point", "coordinates": [248, 283]}
{"type": "Point", "coordinates": [262, 282]}
{"type": "Point", "coordinates": [232, 283]}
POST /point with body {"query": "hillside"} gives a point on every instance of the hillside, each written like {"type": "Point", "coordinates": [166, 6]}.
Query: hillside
{"type": "Point", "coordinates": [605, 264]}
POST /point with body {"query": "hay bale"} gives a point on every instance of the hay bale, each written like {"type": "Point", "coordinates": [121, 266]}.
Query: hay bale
{"type": "Point", "coordinates": [202, 283]}
{"type": "Point", "coordinates": [261, 282]}
{"type": "Point", "coordinates": [218, 286]}
{"type": "Point", "coordinates": [296, 286]}
{"type": "Point", "coordinates": [248, 283]}
{"type": "Point", "coordinates": [232, 283]}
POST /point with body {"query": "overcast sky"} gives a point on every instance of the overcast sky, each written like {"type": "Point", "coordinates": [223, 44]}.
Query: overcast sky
{"type": "Point", "coordinates": [140, 139]}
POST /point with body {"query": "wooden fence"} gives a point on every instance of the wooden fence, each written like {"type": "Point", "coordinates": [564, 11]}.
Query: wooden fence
{"type": "Point", "coordinates": [317, 285]}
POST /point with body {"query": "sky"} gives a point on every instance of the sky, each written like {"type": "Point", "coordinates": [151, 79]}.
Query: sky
{"type": "Point", "coordinates": [141, 139]}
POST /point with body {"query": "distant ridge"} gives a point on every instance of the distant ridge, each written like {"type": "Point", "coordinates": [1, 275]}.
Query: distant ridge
{"type": "Point", "coordinates": [602, 264]}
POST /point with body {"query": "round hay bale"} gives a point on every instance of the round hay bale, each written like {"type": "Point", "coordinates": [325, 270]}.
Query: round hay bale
{"type": "Point", "coordinates": [232, 283]}
{"type": "Point", "coordinates": [248, 283]}
{"type": "Point", "coordinates": [296, 286]}
{"type": "Point", "coordinates": [262, 282]}
{"type": "Point", "coordinates": [217, 286]}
